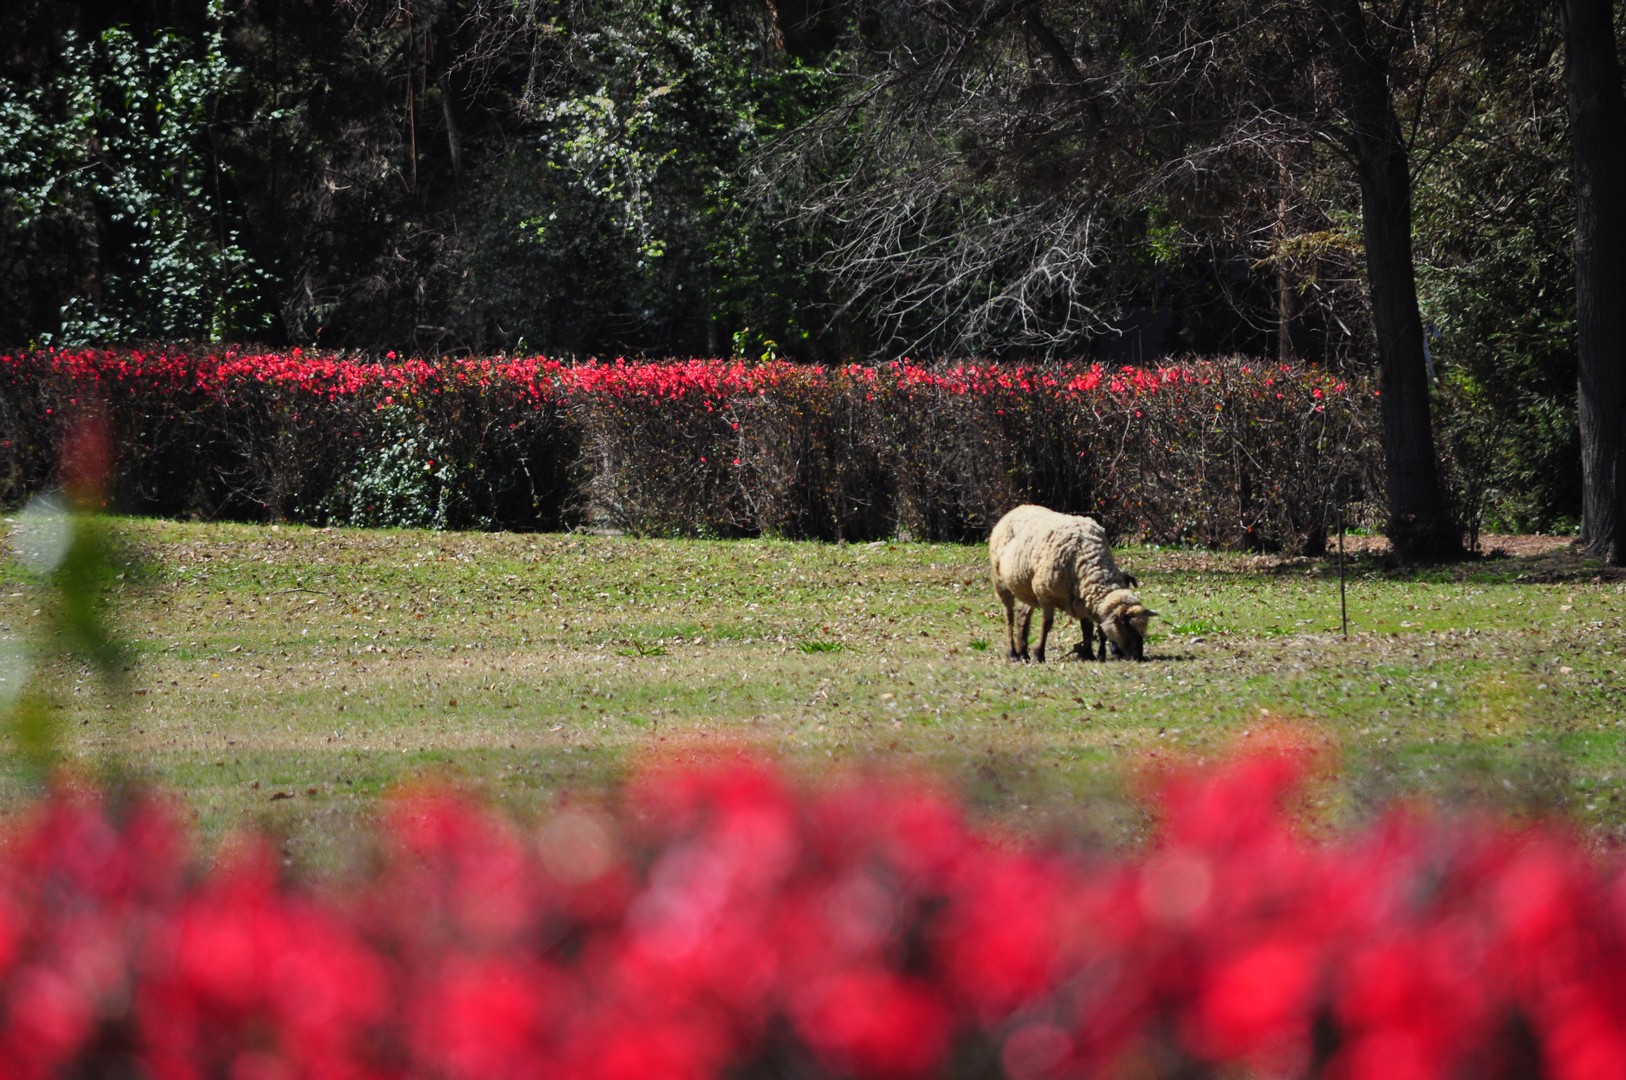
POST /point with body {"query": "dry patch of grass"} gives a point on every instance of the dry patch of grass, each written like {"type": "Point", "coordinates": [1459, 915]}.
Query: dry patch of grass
{"type": "Point", "coordinates": [286, 676]}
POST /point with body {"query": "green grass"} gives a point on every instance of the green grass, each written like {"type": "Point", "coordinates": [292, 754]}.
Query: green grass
{"type": "Point", "coordinates": [286, 676]}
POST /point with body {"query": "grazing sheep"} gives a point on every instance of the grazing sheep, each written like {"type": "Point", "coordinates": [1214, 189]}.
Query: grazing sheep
{"type": "Point", "coordinates": [1048, 560]}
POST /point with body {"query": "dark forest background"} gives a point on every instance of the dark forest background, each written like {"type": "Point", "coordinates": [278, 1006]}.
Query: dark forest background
{"type": "Point", "coordinates": [817, 179]}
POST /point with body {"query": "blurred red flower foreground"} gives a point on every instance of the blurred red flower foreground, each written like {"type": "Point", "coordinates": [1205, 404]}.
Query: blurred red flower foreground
{"type": "Point", "coordinates": [721, 921]}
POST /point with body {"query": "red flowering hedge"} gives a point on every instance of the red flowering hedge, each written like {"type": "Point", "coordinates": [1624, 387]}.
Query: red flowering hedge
{"type": "Point", "coordinates": [1222, 452]}
{"type": "Point", "coordinates": [721, 923]}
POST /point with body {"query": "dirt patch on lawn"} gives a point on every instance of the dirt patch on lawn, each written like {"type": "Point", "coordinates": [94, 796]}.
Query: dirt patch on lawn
{"type": "Point", "coordinates": [1532, 558]}
{"type": "Point", "coordinates": [1535, 558]}
{"type": "Point", "coordinates": [1490, 546]}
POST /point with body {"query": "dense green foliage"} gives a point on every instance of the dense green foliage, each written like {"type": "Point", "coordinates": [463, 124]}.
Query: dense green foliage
{"type": "Point", "coordinates": [1496, 275]}
{"type": "Point", "coordinates": [445, 176]}
{"type": "Point", "coordinates": [113, 192]}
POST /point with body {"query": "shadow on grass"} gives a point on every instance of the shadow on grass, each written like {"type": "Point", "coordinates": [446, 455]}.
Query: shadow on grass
{"type": "Point", "coordinates": [1492, 568]}
{"type": "Point", "coordinates": [1151, 658]}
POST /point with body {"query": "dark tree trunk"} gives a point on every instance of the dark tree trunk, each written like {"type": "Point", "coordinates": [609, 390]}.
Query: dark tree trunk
{"type": "Point", "coordinates": [1420, 527]}
{"type": "Point", "coordinates": [1598, 121]}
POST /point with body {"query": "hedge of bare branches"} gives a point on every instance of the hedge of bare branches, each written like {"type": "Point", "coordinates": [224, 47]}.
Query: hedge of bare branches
{"type": "Point", "coordinates": [1217, 452]}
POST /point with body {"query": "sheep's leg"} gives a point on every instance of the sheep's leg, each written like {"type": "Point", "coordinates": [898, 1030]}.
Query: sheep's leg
{"type": "Point", "coordinates": [1009, 600]}
{"type": "Point", "coordinates": [1025, 624]}
{"type": "Point", "coordinates": [1085, 649]}
{"type": "Point", "coordinates": [1044, 634]}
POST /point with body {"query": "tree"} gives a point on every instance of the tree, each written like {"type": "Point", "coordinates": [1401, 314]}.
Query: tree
{"type": "Point", "coordinates": [1592, 77]}
{"type": "Point", "coordinates": [565, 175]}
{"type": "Point", "coordinates": [111, 164]}
{"type": "Point", "coordinates": [1363, 45]}
{"type": "Point", "coordinates": [1495, 226]}
{"type": "Point", "coordinates": [431, 175]}
{"type": "Point", "coordinates": [1033, 168]}
{"type": "Point", "coordinates": [638, 214]}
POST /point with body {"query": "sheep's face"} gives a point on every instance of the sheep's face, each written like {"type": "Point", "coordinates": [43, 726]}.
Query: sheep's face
{"type": "Point", "coordinates": [1127, 632]}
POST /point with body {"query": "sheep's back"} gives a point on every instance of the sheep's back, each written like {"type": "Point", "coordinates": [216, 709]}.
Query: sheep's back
{"type": "Point", "coordinates": [1022, 519]}
{"type": "Point", "coordinates": [1035, 553]}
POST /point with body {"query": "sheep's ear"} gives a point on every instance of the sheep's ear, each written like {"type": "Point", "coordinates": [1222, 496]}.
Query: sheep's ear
{"type": "Point", "coordinates": [1140, 611]}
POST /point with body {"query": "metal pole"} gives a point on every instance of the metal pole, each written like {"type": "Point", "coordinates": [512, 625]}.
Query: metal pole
{"type": "Point", "coordinates": [1343, 603]}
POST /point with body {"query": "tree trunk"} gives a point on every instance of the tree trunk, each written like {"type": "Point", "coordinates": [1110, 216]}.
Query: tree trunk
{"type": "Point", "coordinates": [1598, 121]}
{"type": "Point", "coordinates": [1420, 527]}
{"type": "Point", "coordinates": [1287, 299]}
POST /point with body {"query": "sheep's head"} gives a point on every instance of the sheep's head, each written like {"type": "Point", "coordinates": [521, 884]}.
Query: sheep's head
{"type": "Point", "coordinates": [1124, 619]}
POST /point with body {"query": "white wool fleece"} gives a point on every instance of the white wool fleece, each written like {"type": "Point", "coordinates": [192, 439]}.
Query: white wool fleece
{"type": "Point", "coordinates": [1047, 560]}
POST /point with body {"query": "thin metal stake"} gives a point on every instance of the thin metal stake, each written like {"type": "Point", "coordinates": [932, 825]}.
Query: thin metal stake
{"type": "Point", "coordinates": [1343, 603]}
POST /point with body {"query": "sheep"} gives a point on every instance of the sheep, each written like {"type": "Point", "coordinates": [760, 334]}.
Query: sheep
{"type": "Point", "coordinates": [1049, 560]}
{"type": "Point", "coordinates": [1115, 577]}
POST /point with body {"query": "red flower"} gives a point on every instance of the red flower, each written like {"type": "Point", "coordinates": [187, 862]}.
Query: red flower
{"type": "Point", "coordinates": [478, 1018]}
{"type": "Point", "coordinates": [874, 1023]}
{"type": "Point", "coordinates": [1257, 1000]}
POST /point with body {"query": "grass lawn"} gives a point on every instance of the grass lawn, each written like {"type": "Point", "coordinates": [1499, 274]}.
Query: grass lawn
{"type": "Point", "coordinates": [284, 676]}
